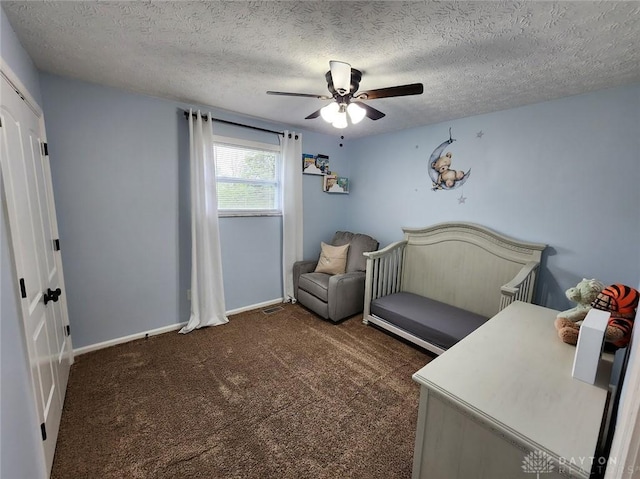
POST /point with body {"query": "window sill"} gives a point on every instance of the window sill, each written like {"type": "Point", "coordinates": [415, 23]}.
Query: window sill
{"type": "Point", "coordinates": [247, 213]}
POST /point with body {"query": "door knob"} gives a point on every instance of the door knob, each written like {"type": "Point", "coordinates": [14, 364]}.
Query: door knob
{"type": "Point", "coordinates": [52, 295]}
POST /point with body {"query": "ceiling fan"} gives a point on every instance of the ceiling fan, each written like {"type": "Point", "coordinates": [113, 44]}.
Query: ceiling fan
{"type": "Point", "coordinates": [343, 83]}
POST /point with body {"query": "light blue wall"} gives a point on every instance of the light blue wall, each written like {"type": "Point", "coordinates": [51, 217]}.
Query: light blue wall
{"type": "Point", "coordinates": [21, 454]}
{"type": "Point", "coordinates": [563, 172]}
{"type": "Point", "coordinates": [120, 172]}
{"type": "Point", "coordinates": [324, 213]}
{"type": "Point", "coordinates": [114, 163]}
{"type": "Point", "coordinates": [253, 245]}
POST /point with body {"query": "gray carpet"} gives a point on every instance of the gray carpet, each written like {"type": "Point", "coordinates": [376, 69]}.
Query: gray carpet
{"type": "Point", "coordinates": [284, 395]}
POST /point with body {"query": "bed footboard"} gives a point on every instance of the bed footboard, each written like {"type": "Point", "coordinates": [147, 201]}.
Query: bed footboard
{"type": "Point", "coordinates": [384, 274]}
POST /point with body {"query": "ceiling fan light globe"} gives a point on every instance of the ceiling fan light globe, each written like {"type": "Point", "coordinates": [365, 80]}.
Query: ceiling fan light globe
{"type": "Point", "coordinates": [340, 120]}
{"type": "Point", "coordinates": [341, 76]}
{"type": "Point", "coordinates": [356, 113]}
{"type": "Point", "coordinates": [329, 112]}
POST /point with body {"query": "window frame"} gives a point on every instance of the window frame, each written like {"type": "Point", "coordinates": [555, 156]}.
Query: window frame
{"type": "Point", "coordinates": [255, 145]}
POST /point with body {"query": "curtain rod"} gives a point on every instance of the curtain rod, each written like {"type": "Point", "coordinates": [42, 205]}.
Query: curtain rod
{"type": "Point", "coordinates": [205, 117]}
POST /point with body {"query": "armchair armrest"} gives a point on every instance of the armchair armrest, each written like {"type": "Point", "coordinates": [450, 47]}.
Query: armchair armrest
{"type": "Point", "coordinates": [345, 294]}
{"type": "Point", "coordinates": [301, 267]}
{"type": "Point", "coordinates": [520, 288]}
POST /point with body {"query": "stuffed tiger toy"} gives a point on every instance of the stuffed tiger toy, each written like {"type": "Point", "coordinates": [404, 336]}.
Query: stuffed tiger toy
{"type": "Point", "coordinates": [621, 301]}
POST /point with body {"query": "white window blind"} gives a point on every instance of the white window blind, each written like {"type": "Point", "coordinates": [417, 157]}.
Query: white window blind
{"type": "Point", "coordinates": [247, 177]}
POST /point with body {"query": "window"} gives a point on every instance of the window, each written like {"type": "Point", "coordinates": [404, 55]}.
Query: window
{"type": "Point", "coordinates": [248, 175]}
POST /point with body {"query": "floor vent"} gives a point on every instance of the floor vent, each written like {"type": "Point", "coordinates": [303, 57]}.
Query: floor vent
{"type": "Point", "coordinates": [272, 310]}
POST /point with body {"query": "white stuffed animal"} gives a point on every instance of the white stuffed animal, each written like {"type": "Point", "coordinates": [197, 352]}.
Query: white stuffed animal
{"type": "Point", "coordinates": [583, 293]}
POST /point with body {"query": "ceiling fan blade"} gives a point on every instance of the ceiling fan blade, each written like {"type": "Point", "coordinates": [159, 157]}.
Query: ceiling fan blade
{"type": "Point", "coordinates": [340, 76]}
{"type": "Point", "coordinates": [313, 115]}
{"type": "Point", "coordinates": [401, 90]}
{"type": "Point", "coordinates": [307, 95]}
{"type": "Point", "coordinates": [371, 112]}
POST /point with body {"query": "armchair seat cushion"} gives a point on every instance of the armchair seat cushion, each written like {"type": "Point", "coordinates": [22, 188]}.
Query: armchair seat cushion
{"type": "Point", "coordinates": [316, 284]}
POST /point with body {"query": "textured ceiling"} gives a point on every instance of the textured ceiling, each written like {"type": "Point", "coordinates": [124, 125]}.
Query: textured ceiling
{"type": "Point", "coordinates": [473, 57]}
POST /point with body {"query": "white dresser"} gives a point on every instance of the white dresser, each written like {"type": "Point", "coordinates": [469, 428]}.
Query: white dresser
{"type": "Point", "coordinates": [502, 404]}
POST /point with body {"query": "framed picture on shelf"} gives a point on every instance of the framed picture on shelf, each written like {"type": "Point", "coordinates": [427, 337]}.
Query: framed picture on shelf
{"type": "Point", "coordinates": [315, 164]}
{"type": "Point", "coordinates": [335, 184]}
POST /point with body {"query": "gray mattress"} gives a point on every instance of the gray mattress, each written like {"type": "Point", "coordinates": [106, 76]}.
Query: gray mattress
{"type": "Point", "coordinates": [435, 322]}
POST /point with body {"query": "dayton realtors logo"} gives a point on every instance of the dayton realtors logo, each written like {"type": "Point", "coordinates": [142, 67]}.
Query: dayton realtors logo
{"type": "Point", "coordinates": [537, 462]}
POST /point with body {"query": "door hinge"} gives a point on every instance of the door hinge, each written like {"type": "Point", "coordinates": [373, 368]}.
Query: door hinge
{"type": "Point", "coordinates": [56, 245]}
{"type": "Point", "coordinates": [23, 288]}
{"type": "Point", "coordinates": [43, 430]}
{"type": "Point", "coordinates": [45, 149]}
{"type": "Point", "coordinates": [67, 330]}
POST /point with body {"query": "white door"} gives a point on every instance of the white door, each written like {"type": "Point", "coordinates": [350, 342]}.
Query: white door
{"type": "Point", "coordinates": [32, 222]}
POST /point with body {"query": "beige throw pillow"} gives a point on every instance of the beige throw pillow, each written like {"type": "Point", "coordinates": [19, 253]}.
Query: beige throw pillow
{"type": "Point", "coordinates": [333, 259]}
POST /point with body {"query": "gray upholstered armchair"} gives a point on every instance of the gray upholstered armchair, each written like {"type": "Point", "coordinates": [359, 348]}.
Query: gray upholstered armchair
{"type": "Point", "coordinates": [336, 296]}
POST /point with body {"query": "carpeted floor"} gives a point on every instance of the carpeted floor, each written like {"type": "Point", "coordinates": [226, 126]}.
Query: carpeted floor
{"type": "Point", "coordinates": [284, 395]}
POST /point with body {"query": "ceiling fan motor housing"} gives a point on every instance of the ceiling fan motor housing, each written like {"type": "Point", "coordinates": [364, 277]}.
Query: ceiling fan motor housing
{"type": "Point", "coordinates": [356, 76]}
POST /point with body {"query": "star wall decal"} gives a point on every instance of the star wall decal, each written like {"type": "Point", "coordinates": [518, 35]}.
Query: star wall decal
{"type": "Point", "coordinates": [479, 134]}
{"type": "Point", "coordinates": [462, 199]}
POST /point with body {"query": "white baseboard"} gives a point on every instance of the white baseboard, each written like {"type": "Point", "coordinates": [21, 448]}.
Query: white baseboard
{"type": "Point", "coordinates": [126, 339]}
{"type": "Point", "coordinates": [164, 329]}
{"type": "Point", "coordinates": [255, 306]}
